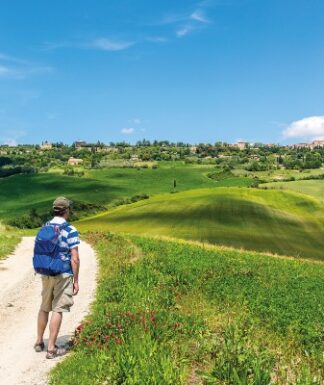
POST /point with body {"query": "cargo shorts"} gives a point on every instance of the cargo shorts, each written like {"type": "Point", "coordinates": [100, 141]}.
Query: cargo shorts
{"type": "Point", "coordinates": [57, 294]}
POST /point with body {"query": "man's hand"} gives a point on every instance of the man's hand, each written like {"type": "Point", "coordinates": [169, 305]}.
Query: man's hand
{"type": "Point", "coordinates": [75, 263]}
{"type": "Point", "coordinates": [75, 288]}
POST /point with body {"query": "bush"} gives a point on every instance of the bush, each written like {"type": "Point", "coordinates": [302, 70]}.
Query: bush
{"type": "Point", "coordinates": [34, 219]}
{"type": "Point", "coordinates": [5, 172]}
{"type": "Point", "coordinates": [127, 201]}
{"type": "Point", "coordinates": [220, 175]}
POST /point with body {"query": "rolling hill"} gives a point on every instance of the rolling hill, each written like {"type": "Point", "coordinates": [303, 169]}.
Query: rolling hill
{"type": "Point", "coordinates": [312, 187]}
{"type": "Point", "coordinates": [274, 221]}
{"type": "Point", "coordinates": [20, 193]}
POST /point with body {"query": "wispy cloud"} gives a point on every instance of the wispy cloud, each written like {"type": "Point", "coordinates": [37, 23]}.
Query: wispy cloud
{"type": "Point", "coordinates": [16, 68]}
{"type": "Point", "coordinates": [99, 43]}
{"type": "Point", "coordinates": [156, 39]}
{"type": "Point", "coordinates": [172, 19]}
{"type": "Point", "coordinates": [11, 137]}
{"type": "Point", "coordinates": [199, 16]}
{"type": "Point", "coordinates": [187, 22]}
{"type": "Point", "coordinates": [127, 131]}
{"type": "Point", "coordinates": [183, 31]}
{"type": "Point", "coordinates": [136, 121]}
{"type": "Point", "coordinates": [12, 59]}
{"type": "Point", "coordinates": [105, 44]}
{"type": "Point", "coordinates": [4, 71]}
{"type": "Point", "coordinates": [307, 128]}
{"type": "Point", "coordinates": [52, 46]}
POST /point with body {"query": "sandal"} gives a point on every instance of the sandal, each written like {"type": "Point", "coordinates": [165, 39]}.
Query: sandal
{"type": "Point", "coordinates": [57, 352]}
{"type": "Point", "coordinates": [39, 347]}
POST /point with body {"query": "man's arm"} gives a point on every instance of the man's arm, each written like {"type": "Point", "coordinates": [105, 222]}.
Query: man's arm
{"type": "Point", "coordinates": [75, 263]}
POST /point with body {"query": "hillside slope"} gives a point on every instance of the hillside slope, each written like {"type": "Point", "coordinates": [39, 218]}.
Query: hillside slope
{"type": "Point", "coordinates": [281, 222]}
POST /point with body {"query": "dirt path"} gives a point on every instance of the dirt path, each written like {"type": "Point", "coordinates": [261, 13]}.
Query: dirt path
{"type": "Point", "coordinates": [19, 303]}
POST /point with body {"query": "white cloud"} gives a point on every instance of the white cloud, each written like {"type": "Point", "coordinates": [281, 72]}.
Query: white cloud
{"type": "Point", "coordinates": [12, 59]}
{"type": "Point", "coordinates": [11, 142]}
{"type": "Point", "coordinates": [311, 127]}
{"type": "Point", "coordinates": [171, 19]}
{"type": "Point", "coordinates": [11, 137]}
{"type": "Point", "coordinates": [110, 45]}
{"type": "Point", "coordinates": [16, 68]}
{"type": "Point", "coordinates": [184, 31]}
{"type": "Point", "coordinates": [199, 16]}
{"type": "Point", "coordinates": [52, 46]}
{"type": "Point", "coordinates": [157, 39]}
{"type": "Point", "coordinates": [5, 71]}
{"type": "Point", "coordinates": [136, 121]}
{"type": "Point", "coordinates": [127, 131]}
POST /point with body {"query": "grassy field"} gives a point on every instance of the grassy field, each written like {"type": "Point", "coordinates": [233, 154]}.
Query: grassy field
{"type": "Point", "coordinates": [313, 188]}
{"type": "Point", "coordinates": [175, 314]}
{"type": "Point", "coordinates": [8, 240]}
{"type": "Point", "coordinates": [279, 174]}
{"type": "Point", "coordinates": [20, 193]}
{"type": "Point", "coordinates": [266, 220]}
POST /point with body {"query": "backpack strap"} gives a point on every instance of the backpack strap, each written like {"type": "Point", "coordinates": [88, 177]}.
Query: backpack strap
{"type": "Point", "coordinates": [61, 226]}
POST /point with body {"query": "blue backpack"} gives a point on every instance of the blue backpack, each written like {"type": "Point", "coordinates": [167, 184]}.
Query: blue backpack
{"type": "Point", "coordinates": [46, 259]}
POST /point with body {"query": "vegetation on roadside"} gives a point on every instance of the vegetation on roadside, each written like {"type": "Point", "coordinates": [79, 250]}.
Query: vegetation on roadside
{"type": "Point", "coordinates": [169, 313]}
{"type": "Point", "coordinates": [8, 240]}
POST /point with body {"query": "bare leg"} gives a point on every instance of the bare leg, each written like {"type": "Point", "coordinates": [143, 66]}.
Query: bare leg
{"type": "Point", "coordinates": [41, 325]}
{"type": "Point", "coordinates": [54, 328]}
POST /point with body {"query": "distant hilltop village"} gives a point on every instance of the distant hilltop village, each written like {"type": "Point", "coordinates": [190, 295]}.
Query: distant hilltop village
{"type": "Point", "coordinates": [241, 145]}
{"type": "Point", "coordinates": [76, 158]}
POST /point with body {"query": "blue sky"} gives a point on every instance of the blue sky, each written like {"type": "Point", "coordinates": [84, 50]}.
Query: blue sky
{"type": "Point", "coordinates": [192, 71]}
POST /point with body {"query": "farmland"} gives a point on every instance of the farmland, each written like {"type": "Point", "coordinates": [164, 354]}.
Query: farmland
{"type": "Point", "coordinates": [20, 193]}
{"type": "Point", "coordinates": [171, 313]}
{"type": "Point", "coordinates": [313, 188]}
{"type": "Point", "coordinates": [282, 222]}
{"type": "Point", "coordinates": [188, 310]}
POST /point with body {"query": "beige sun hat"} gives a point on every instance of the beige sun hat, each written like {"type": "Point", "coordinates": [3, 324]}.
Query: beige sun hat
{"type": "Point", "coordinates": [61, 203]}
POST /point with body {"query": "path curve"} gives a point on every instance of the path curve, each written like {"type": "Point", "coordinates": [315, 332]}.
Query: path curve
{"type": "Point", "coordinates": [20, 297]}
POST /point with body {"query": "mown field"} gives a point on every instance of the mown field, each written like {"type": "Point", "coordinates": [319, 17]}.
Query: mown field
{"type": "Point", "coordinates": [172, 314]}
{"type": "Point", "coordinates": [313, 188]}
{"type": "Point", "coordinates": [280, 222]}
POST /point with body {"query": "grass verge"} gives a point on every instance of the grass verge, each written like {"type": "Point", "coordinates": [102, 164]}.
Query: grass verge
{"type": "Point", "coordinates": [171, 313]}
{"type": "Point", "coordinates": [8, 241]}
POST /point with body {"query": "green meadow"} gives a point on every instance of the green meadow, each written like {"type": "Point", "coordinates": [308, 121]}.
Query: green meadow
{"type": "Point", "coordinates": [189, 311]}
{"type": "Point", "coordinates": [20, 193]}
{"type": "Point", "coordinates": [173, 314]}
{"type": "Point", "coordinates": [274, 221]}
{"type": "Point", "coordinates": [313, 188]}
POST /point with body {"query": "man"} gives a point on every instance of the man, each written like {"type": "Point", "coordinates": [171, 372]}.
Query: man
{"type": "Point", "coordinates": [58, 290]}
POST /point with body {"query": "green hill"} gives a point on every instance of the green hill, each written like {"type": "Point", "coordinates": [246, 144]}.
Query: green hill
{"type": "Point", "coordinates": [20, 193]}
{"type": "Point", "coordinates": [280, 222]}
{"type": "Point", "coordinates": [312, 187]}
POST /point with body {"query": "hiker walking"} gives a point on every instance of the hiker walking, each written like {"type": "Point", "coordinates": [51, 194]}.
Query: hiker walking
{"type": "Point", "coordinates": [56, 258]}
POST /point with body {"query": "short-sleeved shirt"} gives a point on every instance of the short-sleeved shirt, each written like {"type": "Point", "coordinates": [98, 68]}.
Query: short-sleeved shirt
{"type": "Point", "coordinates": [68, 239]}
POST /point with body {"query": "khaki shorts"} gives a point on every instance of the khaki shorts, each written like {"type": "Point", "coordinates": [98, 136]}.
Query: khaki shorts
{"type": "Point", "coordinates": [57, 294]}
